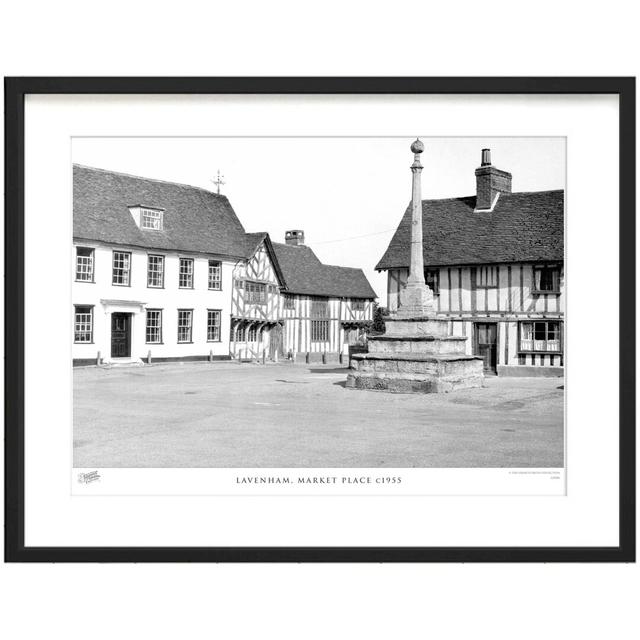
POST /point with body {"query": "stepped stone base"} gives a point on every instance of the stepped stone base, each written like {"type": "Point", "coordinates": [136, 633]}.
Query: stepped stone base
{"type": "Point", "coordinates": [408, 373]}
{"type": "Point", "coordinates": [416, 355]}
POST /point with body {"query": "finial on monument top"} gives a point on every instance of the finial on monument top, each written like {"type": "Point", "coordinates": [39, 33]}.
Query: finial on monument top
{"type": "Point", "coordinates": [417, 146]}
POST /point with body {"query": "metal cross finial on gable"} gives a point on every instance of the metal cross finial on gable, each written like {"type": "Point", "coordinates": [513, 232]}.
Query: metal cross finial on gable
{"type": "Point", "coordinates": [219, 181]}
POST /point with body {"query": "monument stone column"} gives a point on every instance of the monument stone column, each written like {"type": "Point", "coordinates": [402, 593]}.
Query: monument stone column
{"type": "Point", "coordinates": [416, 299]}
{"type": "Point", "coordinates": [416, 354]}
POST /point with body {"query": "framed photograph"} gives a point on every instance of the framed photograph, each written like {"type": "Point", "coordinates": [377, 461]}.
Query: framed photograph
{"type": "Point", "coordinates": [320, 319]}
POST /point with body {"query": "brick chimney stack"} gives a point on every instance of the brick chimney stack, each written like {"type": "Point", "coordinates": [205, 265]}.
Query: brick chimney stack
{"type": "Point", "coordinates": [294, 237]}
{"type": "Point", "coordinates": [490, 182]}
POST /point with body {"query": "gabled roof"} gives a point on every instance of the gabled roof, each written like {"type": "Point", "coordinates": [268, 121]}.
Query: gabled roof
{"type": "Point", "coordinates": [304, 274]}
{"type": "Point", "coordinates": [195, 220]}
{"type": "Point", "coordinates": [254, 240]}
{"type": "Point", "coordinates": [198, 221]}
{"type": "Point", "coordinates": [523, 227]}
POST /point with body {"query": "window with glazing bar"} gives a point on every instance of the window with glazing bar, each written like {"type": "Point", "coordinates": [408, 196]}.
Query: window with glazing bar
{"type": "Point", "coordinates": [215, 275]}
{"type": "Point", "coordinates": [432, 278]}
{"type": "Point", "coordinates": [83, 324]}
{"type": "Point", "coordinates": [213, 325]}
{"type": "Point", "coordinates": [121, 268]}
{"type": "Point", "coordinates": [154, 326]}
{"type": "Point", "coordinates": [546, 279]}
{"type": "Point", "coordinates": [186, 273]}
{"type": "Point", "coordinates": [84, 264]}
{"type": "Point", "coordinates": [185, 317]}
{"type": "Point", "coordinates": [319, 330]}
{"type": "Point", "coordinates": [152, 219]}
{"type": "Point", "coordinates": [155, 271]}
{"type": "Point", "coordinates": [487, 277]}
{"type": "Point", "coordinates": [319, 308]}
{"type": "Point", "coordinates": [256, 292]}
{"type": "Point", "coordinates": [540, 336]}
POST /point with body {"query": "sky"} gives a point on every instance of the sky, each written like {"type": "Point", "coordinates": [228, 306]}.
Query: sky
{"type": "Point", "coordinates": [347, 194]}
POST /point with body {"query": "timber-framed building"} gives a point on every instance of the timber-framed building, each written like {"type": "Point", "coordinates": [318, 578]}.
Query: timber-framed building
{"type": "Point", "coordinates": [166, 271]}
{"type": "Point", "coordinates": [495, 262]}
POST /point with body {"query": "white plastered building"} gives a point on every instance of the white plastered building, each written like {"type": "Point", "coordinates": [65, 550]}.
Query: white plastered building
{"type": "Point", "coordinates": [165, 271]}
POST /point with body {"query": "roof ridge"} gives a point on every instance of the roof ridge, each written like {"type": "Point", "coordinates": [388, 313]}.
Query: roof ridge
{"type": "Point", "coordinates": [473, 197]}
{"type": "Point", "coordinates": [446, 199]}
{"type": "Point", "coordinates": [340, 266]}
{"type": "Point", "coordinates": [133, 175]}
{"type": "Point", "coordinates": [295, 246]}
{"type": "Point", "coordinates": [516, 193]}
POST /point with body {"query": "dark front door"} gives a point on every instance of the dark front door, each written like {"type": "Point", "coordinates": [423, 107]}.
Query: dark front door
{"type": "Point", "coordinates": [120, 335]}
{"type": "Point", "coordinates": [486, 344]}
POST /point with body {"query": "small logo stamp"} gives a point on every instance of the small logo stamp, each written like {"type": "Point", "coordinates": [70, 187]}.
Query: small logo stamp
{"type": "Point", "coordinates": [89, 476]}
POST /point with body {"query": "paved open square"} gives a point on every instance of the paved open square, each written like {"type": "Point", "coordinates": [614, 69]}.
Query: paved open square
{"type": "Point", "coordinates": [283, 415]}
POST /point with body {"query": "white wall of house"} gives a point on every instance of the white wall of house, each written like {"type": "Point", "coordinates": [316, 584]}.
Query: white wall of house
{"type": "Point", "coordinates": [107, 298]}
{"type": "Point", "coordinates": [137, 298]}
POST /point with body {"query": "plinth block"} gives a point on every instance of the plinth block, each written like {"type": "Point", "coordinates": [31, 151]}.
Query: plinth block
{"type": "Point", "coordinates": [418, 345]}
{"type": "Point", "coordinates": [398, 326]}
{"type": "Point", "coordinates": [415, 373]}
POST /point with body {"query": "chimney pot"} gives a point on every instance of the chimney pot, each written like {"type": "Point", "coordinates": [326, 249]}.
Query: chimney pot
{"type": "Point", "coordinates": [486, 157]}
{"type": "Point", "coordinates": [294, 237]}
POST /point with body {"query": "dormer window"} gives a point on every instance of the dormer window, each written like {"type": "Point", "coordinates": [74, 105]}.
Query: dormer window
{"type": "Point", "coordinates": [147, 217]}
{"type": "Point", "coordinates": [152, 219]}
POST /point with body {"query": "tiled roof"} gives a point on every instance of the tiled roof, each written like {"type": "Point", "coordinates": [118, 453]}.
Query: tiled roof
{"type": "Point", "coordinates": [306, 275]}
{"type": "Point", "coordinates": [252, 241]}
{"type": "Point", "coordinates": [195, 220]}
{"type": "Point", "coordinates": [199, 221]}
{"type": "Point", "coordinates": [522, 227]}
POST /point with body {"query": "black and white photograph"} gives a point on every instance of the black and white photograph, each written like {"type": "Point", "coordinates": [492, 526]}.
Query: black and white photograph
{"type": "Point", "coordinates": [318, 302]}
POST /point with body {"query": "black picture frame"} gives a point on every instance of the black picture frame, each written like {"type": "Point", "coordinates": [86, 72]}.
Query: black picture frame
{"type": "Point", "coordinates": [15, 91]}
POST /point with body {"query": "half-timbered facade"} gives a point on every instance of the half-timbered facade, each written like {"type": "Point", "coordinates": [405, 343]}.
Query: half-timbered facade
{"type": "Point", "coordinates": [495, 262]}
{"type": "Point", "coordinates": [324, 308]}
{"type": "Point", "coordinates": [255, 303]}
{"type": "Point", "coordinates": [287, 304]}
{"type": "Point", "coordinates": [165, 271]}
